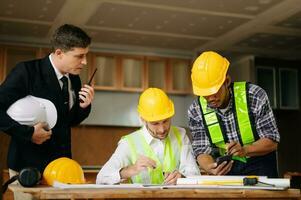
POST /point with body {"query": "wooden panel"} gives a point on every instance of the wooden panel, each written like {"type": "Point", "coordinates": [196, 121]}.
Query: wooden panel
{"type": "Point", "coordinates": [156, 72]}
{"type": "Point", "coordinates": [94, 145]}
{"type": "Point", "coordinates": [42, 52]}
{"type": "Point", "coordinates": [132, 70]}
{"type": "Point", "coordinates": [107, 65]}
{"type": "Point", "coordinates": [180, 82]}
{"type": "Point", "coordinates": [4, 142]}
{"type": "Point", "coordinates": [15, 55]}
{"type": "Point", "coordinates": [1, 64]}
{"type": "Point", "coordinates": [91, 145]}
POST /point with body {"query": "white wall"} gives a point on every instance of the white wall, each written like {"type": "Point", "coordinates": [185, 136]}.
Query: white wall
{"type": "Point", "coordinates": [119, 109]}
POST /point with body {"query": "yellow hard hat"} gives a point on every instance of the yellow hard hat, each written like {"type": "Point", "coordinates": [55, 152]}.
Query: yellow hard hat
{"type": "Point", "coordinates": [208, 73]}
{"type": "Point", "coordinates": [154, 105]}
{"type": "Point", "coordinates": [64, 170]}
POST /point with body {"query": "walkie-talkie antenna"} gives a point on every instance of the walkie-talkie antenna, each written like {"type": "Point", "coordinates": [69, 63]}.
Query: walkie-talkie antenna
{"type": "Point", "coordinates": [89, 83]}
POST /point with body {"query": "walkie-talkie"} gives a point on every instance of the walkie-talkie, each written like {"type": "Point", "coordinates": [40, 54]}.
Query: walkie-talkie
{"type": "Point", "coordinates": [221, 159]}
{"type": "Point", "coordinates": [89, 83]}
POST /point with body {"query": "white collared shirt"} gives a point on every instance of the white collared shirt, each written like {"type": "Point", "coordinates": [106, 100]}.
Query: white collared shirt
{"type": "Point", "coordinates": [59, 75]}
{"type": "Point", "coordinates": [109, 174]}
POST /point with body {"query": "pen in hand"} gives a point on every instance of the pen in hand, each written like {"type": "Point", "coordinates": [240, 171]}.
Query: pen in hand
{"type": "Point", "coordinates": [171, 177]}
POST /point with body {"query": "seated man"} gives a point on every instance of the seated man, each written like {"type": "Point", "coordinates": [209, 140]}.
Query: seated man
{"type": "Point", "coordinates": [158, 153]}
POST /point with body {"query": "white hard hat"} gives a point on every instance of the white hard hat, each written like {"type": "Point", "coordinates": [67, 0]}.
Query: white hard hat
{"type": "Point", "coordinates": [31, 110]}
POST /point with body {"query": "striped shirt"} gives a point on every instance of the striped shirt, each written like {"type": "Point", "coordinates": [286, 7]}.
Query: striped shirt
{"type": "Point", "coordinates": [260, 108]}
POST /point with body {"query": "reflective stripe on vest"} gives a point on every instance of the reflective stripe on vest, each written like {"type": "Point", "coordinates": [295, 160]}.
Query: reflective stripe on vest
{"type": "Point", "coordinates": [242, 114]}
{"type": "Point", "coordinates": [172, 154]}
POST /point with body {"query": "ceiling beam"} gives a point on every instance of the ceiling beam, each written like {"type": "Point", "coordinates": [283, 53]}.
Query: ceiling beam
{"type": "Point", "coordinates": [75, 12]}
{"type": "Point", "coordinates": [280, 30]}
{"type": "Point", "coordinates": [122, 30]}
{"type": "Point", "coordinates": [278, 53]}
{"type": "Point", "coordinates": [275, 14]}
{"type": "Point", "coordinates": [180, 9]}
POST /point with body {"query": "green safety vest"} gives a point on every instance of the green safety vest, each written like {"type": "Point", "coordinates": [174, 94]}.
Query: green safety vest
{"type": "Point", "coordinates": [242, 119]}
{"type": "Point", "coordinates": [172, 154]}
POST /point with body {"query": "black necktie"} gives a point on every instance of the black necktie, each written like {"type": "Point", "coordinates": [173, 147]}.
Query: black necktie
{"type": "Point", "coordinates": [65, 93]}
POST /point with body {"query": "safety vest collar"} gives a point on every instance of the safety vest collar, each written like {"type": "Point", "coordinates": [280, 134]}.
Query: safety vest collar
{"type": "Point", "coordinates": [172, 152]}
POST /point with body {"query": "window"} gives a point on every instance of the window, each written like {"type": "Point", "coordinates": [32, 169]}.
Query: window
{"type": "Point", "coordinates": [289, 90]}
{"type": "Point", "coordinates": [266, 78]}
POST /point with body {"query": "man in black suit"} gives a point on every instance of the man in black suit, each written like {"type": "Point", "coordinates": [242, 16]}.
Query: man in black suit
{"type": "Point", "coordinates": [36, 146]}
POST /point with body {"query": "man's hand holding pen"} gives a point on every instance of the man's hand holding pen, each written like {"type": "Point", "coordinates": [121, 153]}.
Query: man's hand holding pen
{"type": "Point", "coordinates": [170, 178]}
{"type": "Point", "coordinates": [235, 149]}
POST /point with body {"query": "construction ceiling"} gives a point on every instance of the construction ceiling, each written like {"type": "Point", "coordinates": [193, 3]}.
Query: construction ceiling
{"type": "Point", "coordinates": [177, 27]}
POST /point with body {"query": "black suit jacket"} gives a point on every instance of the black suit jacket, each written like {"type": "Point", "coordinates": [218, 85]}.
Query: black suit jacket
{"type": "Point", "coordinates": [38, 78]}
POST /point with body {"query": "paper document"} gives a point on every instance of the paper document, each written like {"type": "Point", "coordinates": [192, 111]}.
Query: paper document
{"type": "Point", "coordinates": [117, 186]}
{"type": "Point", "coordinates": [194, 182]}
{"type": "Point", "coordinates": [152, 187]}
{"type": "Point", "coordinates": [231, 180]}
{"type": "Point", "coordinates": [222, 187]}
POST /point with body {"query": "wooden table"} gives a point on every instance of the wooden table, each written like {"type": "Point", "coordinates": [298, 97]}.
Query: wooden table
{"type": "Point", "coordinates": [44, 192]}
{"type": "Point", "coordinates": [90, 176]}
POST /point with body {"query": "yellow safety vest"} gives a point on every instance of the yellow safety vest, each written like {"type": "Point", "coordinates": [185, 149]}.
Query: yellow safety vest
{"type": "Point", "coordinates": [172, 154]}
{"type": "Point", "coordinates": [242, 118]}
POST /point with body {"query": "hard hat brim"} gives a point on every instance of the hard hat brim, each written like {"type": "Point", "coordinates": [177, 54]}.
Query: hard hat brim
{"type": "Point", "coordinates": [206, 91]}
{"type": "Point", "coordinates": [158, 118]}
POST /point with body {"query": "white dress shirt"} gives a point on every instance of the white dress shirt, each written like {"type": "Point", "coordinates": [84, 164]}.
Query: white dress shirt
{"type": "Point", "coordinates": [109, 174]}
{"type": "Point", "coordinates": [59, 75]}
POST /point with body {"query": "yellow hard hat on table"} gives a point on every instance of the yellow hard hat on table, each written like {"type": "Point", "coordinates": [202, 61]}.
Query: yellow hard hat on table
{"type": "Point", "coordinates": [154, 105]}
{"type": "Point", "coordinates": [208, 73]}
{"type": "Point", "coordinates": [64, 170]}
